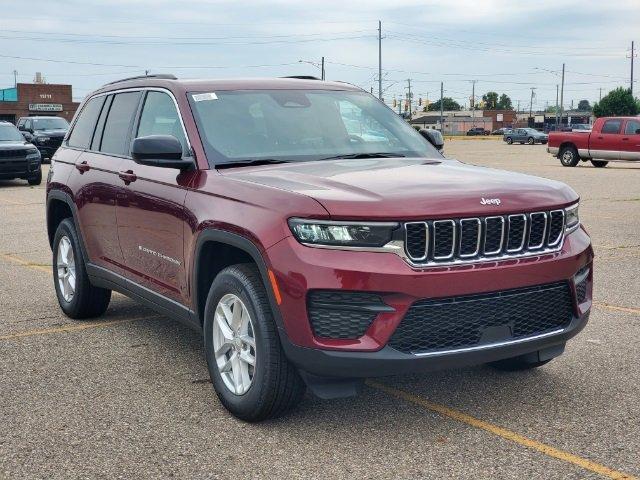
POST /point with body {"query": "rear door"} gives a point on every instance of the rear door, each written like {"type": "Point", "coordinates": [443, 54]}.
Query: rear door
{"type": "Point", "coordinates": [151, 214]}
{"type": "Point", "coordinates": [607, 142]}
{"type": "Point", "coordinates": [95, 184]}
{"type": "Point", "coordinates": [630, 144]}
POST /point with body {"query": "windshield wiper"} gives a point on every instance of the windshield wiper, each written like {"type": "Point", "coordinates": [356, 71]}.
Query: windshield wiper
{"type": "Point", "coordinates": [364, 155]}
{"type": "Point", "coordinates": [250, 161]}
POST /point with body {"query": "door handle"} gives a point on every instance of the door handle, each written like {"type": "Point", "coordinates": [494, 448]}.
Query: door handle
{"type": "Point", "coordinates": [626, 138]}
{"type": "Point", "coordinates": [83, 166]}
{"type": "Point", "coordinates": [128, 176]}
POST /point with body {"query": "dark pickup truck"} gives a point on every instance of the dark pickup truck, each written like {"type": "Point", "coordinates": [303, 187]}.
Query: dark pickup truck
{"type": "Point", "coordinates": [611, 139]}
{"type": "Point", "coordinates": [46, 133]}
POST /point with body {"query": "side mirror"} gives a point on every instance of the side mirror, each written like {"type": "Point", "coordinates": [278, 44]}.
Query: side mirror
{"type": "Point", "coordinates": [27, 136]}
{"type": "Point", "coordinates": [434, 137]}
{"type": "Point", "coordinates": [160, 151]}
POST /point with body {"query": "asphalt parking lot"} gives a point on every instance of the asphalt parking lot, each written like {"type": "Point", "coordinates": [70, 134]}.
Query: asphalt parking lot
{"type": "Point", "coordinates": [128, 396]}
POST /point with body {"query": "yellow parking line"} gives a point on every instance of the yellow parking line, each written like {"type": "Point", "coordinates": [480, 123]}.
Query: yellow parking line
{"type": "Point", "coordinates": [617, 308]}
{"type": "Point", "coordinates": [74, 327]}
{"type": "Point", "coordinates": [26, 263]}
{"type": "Point", "coordinates": [503, 433]}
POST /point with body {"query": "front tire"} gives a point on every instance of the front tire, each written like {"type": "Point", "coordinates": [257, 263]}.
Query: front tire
{"type": "Point", "coordinates": [569, 156]}
{"type": "Point", "coordinates": [36, 179]}
{"type": "Point", "coordinates": [249, 371]}
{"type": "Point", "coordinates": [599, 163]}
{"type": "Point", "coordinates": [530, 141]}
{"type": "Point", "coordinates": [78, 299]}
{"type": "Point", "coordinates": [509, 140]}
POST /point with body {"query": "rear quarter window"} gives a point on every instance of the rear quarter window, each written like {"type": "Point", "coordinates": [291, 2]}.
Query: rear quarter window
{"type": "Point", "coordinates": [82, 132]}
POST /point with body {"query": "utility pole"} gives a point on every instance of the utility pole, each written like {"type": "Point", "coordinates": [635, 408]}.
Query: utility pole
{"type": "Point", "coordinates": [557, 93]}
{"type": "Point", "coordinates": [146, 73]}
{"type": "Point", "coordinates": [400, 106]}
{"type": "Point", "coordinates": [409, 96]}
{"type": "Point", "coordinates": [473, 100]}
{"type": "Point", "coordinates": [442, 108]}
{"type": "Point", "coordinates": [632, 55]}
{"type": "Point", "coordinates": [562, 96]}
{"type": "Point", "coordinates": [531, 104]}
{"type": "Point", "coordinates": [15, 78]}
{"type": "Point", "coordinates": [600, 95]}
{"type": "Point", "coordinates": [322, 69]}
{"type": "Point", "coordinates": [379, 59]}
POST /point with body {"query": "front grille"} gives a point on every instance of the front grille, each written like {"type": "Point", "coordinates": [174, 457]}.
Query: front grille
{"type": "Point", "coordinates": [472, 239]}
{"type": "Point", "coordinates": [468, 321]}
{"type": "Point", "coordinates": [14, 153]}
{"type": "Point", "coordinates": [343, 315]}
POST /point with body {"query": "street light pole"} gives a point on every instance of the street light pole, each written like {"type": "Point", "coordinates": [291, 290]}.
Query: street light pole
{"type": "Point", "coordinates": [441, 107]}
{"type": "Point", "coordinates": [322, 69]}
{"type": "Point", "coordinates": [379, 59]}
{"type": "Point", "coordinates": [562, 96]}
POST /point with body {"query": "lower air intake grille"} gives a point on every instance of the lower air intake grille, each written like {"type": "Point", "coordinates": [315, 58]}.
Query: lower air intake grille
{"type": "Point", "coordinates": [346, 315]}
{"type": "Point", "coordinates": [473, 320]}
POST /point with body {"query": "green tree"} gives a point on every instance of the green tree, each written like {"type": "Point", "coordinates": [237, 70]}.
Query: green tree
{"type": "Point", "coordinates": [505, 102]}
{"type": "Point", "coordinates": [448, 103]}
{"type": "Point", "coordinates": [490, 100]}
{"type": "Point", "coordinates": [551, 109]}
{"type": "Point", "coordinates": [617, 102]}
{"type": "Point", "coordinates": [584, 106]}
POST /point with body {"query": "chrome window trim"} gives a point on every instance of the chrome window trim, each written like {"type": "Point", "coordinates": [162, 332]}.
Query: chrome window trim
{"type": "Point", "coordinates": [477, 251]}
{"type": "Point", "coordinates": [494, 252]}
{"type": "Point", "coordinates": [562, 230]}
{"type": "Point", "coordinates": [544, 231]}
{"type": "Point", "coordinates": [453, 239]}
{"type": "Point", "coordinates": [524, 233]}
{"type": "Point", "coordinates": [426, 246]}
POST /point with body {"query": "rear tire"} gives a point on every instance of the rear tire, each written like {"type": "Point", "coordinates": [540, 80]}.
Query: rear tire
{"type": "Point", "coordinates": [599, 163]}
{"type": "Point", "coordinates": [569, 156]}
{"type": "Point", "coordinates": [271, 386]}
{"type": "Point", "coordinates": [78, 299]}
{"type": "Point", "coordinates": [36, 179]}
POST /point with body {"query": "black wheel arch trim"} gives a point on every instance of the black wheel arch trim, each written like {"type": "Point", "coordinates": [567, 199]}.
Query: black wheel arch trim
{"type": "Point", "coordinates": [243, 243]}
{"type": "Point", "coordinates": [59, 195]}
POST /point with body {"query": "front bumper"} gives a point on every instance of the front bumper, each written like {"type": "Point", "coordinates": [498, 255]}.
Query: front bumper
{"type": "Point", "coordinates": [389, 361]}
{"type": "Point", "coordinates": [18, 167]}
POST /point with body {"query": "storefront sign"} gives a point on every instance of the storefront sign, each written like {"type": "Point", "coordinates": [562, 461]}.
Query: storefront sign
{"type": "Point", "coordinates": [45, 107]}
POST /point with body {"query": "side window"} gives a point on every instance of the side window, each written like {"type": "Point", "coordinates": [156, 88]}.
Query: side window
{"type": "Point", "coordinates": [21, 124]}
{"type": "Point", "coordinates": [160, 117]}
{"type": "Point", "coordinates": [97, 135]}
{"type": "Point", "coordinates": [117, 128]}
{"type": "Point", "coordinates": [632, 128]}
{"type": "Point", "coordinates": [27, 124]}
{"type": "Point", "coordinates": [612, 126]}
{"type": "Point", "coordinates": [82, 132]}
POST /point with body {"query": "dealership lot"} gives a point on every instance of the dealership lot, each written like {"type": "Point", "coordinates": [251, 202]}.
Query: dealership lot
{"type": "Point", "coordinates": [128, 395]}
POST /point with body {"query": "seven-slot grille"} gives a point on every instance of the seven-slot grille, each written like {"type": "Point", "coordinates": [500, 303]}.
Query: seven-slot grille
{"type": "Point", "coordinates": [472, 239]}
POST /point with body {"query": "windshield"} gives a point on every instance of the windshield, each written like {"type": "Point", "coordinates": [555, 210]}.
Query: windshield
{"type": "Point", "coordinates": [54, 123]}
{"type": "Point", "coordinates": [9, 133]}
{"type": "Point", "coordinates": [301, 125]}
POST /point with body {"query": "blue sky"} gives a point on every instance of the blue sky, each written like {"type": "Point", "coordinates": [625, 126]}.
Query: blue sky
{"type": "Point", "coordinates": [507, 46]}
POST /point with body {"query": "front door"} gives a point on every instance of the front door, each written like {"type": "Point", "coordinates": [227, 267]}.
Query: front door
{"type": "Point", "coordinates": [630, 143]}
{"type": "Point", "coordinates": [606, 144]}
{"type": "Point", "coordinates": [151, 214]}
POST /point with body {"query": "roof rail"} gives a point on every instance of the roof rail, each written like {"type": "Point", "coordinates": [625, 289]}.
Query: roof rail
{"type": "Point", "coordinates": [302, 77]}
{"type": "Point", "coordinates": [166, 76]}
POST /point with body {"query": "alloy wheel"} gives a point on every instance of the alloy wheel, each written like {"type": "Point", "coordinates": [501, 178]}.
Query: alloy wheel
{"type": "Point", "coordinates": [234, 344]}
{"type": "Point", "coordinates": [66, 267]}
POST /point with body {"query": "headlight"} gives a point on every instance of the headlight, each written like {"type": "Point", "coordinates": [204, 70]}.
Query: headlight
{"type": "Point", "coordinates": [347, 234]}
{"type": "Point", "coordinates": [42, 139]}
{"type": "Point", "coordinates": [33, 154]}
{"type": "Point", "coordinates": [572, 219]}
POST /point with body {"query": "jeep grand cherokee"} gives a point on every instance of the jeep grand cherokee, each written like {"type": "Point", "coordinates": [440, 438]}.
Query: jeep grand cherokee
{"type": "Point", "coordinates": [311, 235]}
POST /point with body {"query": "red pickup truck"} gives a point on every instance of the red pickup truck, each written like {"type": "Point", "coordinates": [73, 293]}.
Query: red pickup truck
{"type": "Point", "coordinates": [612, 138]}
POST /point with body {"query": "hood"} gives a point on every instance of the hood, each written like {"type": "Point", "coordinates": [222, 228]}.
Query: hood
{"type": "Point", "coordinates": [15, 145]}
{"type": "Point", "coordinates": [50, 133]}
{"type": "Point", "coordinates": [409, 188]}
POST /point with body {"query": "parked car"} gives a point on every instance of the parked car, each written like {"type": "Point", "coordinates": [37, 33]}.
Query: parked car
{"type": "Point", "coordinates": [46, 133]}
{"type": "Point", "coordinates": [525, 135]}
{"type": "Point", "coordinates": [501, 131]}
{"type": "Point", "coordinates": [18, 158]}
{"type": "Point", "coordinates": [309, 255]}
{"type": "Point", "coordinates": [580, 127]}
{"type": "Point", "coordinates": [611, 138]}
{"type": "Point", "coordinates": [477, 131]}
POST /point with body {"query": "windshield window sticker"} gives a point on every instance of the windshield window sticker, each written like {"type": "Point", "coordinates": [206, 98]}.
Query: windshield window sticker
{"type": "Point", "coordinates": [199, 97]}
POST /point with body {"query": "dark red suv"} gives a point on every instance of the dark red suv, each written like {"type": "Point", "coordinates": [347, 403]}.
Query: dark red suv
{"type": "Point", "coordinates": [311, 234]}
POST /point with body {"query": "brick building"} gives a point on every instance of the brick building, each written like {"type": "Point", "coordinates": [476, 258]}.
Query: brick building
{"type": "Point", "coordinates": [28, 99]}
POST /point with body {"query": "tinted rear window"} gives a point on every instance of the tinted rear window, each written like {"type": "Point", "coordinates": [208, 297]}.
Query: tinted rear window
{"type": "Point", "coordinates": [633, 127]}
{"type": "Point", "coordinates": [83, 130]}
{"type": "Point", "coordinates": [612, 126]}
{"type": "Point", "coordinates": [117, 129]}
